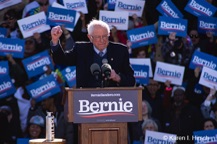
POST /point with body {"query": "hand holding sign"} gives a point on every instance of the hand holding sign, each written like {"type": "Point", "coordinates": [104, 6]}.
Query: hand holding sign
{"type": "Point", "coordinates": [56, 32]}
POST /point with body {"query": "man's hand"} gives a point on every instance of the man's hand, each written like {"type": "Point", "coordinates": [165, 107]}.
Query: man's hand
{"type": "Point", "coordinates": [114, 76]}
{"type": "Point", "coordinates": [56, 32]}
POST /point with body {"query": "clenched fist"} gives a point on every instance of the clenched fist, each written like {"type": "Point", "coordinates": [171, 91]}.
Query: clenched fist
{"type": "Point", "coordinates": [56, 32]}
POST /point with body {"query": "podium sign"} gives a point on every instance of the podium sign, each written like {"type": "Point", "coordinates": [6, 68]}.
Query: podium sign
{"type": "Point", "coordinates": [103, 113]}
{"type": "Point", "coordinates": [105, 106]}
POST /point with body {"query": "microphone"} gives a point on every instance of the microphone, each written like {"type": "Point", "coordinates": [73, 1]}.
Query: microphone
{"type": "Point", "coordinates": [106, 70]}
{"type": "Point", "coordinates": [95, 70]}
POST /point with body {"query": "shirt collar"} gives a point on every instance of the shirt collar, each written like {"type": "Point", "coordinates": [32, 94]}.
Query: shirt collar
{"type": "Point", "coordinates": [97, 51]}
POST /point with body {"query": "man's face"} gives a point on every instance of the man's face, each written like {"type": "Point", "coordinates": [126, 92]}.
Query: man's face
{"type": "Point", "coordinates": [99, 37]}
{"type": "Point", "coordinates": [194, 37]}
{"type": "Point", "coordinates": [179, 96]}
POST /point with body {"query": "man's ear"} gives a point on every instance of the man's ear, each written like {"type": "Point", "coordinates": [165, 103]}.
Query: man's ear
{"type": "Point", "coordinates": [90, 37]}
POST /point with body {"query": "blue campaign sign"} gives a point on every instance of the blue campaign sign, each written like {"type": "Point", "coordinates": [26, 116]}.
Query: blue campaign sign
{"type": "Point", "coordinates": [59, 16]}
{"type": "Point", "coordinates": [111, 4]}
{"type": "Point", "coordinates": [14, 47]}
{"type": "Point", "coordinates": [203, 59]}
{"type": "Point", "coordinates": [205, 137]}
{"type": "Point", "coordinates": [43, 88]}
{"type": "Point", "coordinates": [23, 141]}
{"type": "Point", "coordinates": [3, 32]}
{"type": "Point", "coordinates": [142, 36]}
{"type": "Point", "coordinates": [141, 73]}
{"type": "Point", "coordinates": [167, 8]}
{"type": "Point", "coordinates": [200, 8]}
{"type": "Point", "coordinates": [4, 69]}
{"type": "Point", "coordinates": [6, 87]}
{"type": "Point", "coordinates": [207, 24]}
{"type": "Point", "coordinates": [69, 74]}
{"type": "Point", "coordinates": [34, 65]}
{"type": "Point", "coordinates": [167, 25]}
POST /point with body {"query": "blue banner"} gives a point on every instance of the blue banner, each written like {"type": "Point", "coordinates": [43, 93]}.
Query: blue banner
{"type": "Point", "coordinates": [142, 36]}
{"type": "Point", "coordinates": [69, 74]}
{"type": "Point", "coordinates": [58, 16]}
{"type": "Point", "coordinates": [141, 73]}
{"type": "Point", "coordinates": [203, 59]}
{"type": "Point", "coordinates": [200, 8]}
{"type": "Point", "coordinates": [7, 88]}
{"type": "Point", "coordinates": [43, 88]}
{"type": "Point", "coordinates": [3, 32]}
{"type": "Point", "coordinates": [167, 25]}
{"type": "Point", "coordinates": [34, 64]}
{"type": "Point", "coordinates": [205, 137]}
{"type": "Point", "coordinates": [111, 4]}
{"type": "Point", "coordinates": [207, 24]}
{"type": "Point", "coordinates": [167, 8]}
{"type": "Point", "coordinates": [23, 141]}
{"type": "Point", "coordinates": [4, 69]}
{"type": "Point", "coordinates": [14, 47]}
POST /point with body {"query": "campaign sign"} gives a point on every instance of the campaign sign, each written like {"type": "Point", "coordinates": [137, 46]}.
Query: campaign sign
{"type": "Point", "coordinates": [168, 24]}
{"type": "Point", "coordinates": [208, 77]}
{"type": "Point", "coordinates": [13, 47]}
{"type": "Point", "coordinates": [152, 137]}
{"type": "Point", "coordinates": [141, 73]}
{"type": "Point", "coordinates": [118, 19]}
{"type": "Point", "coordinates": [200, 8]}
{"type": "Point", "coordinates": [6, 87]}
{"type": "Point", "coordinates": [205, 137]}
{"type": "Point", "coordinates": [34, 64]}
{"type": "Point", "coordinates": [171, 72]}
{"type": "Point", "coordinates": [167, 8]}
{"type": "Point", "coordinates": [200, 59]}
{"type": "Point", "coordinates": [57, 5]}
{"type": "Point", "coordinates": [132, 6]}
{"type": "Point", "coordinates": [76, 5]}
{"type": "Point", "coordinates": [32, 24]}
{"type": "Point", "coordinates": [22, 141]}
{"type": "Point", "coordinates": [207, 24]}
{"type": "Point", "coordinates": [43, 88]}
{"type": "Point", "coordinates": [111, 4]}
{"type": "Point", "coordinates": [3, 32]}
{"type": "Point", "coordinates": [59, 16]}
{"type": "Point", "coordinates": [7, 3]}
{"type": "Point", "coordinates": [142, 61]}
{"type": "Point", "coordinates": [142, 36]}
{"type": "Point", "coordinates": [4, 69]}
{"type": "Point", "coordinates": [69, 74]}
{"type": "Point", "coordinates": [105, 106]}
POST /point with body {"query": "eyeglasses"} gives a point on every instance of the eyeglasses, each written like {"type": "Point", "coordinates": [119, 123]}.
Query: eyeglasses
{"type": "Point", "coordinates": [8, 18]}
{"type": "Point", "coordinates": [194, 36]}
{"type": "Point", "coordinates": [98, 38]}
{"type": "Point", "coordinates": [43, 4]}
{"type": "Point", "coordinates": [29, 42]}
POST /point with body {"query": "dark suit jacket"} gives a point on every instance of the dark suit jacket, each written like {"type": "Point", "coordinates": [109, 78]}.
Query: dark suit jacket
{"type": "Point", "coordinates": [82, 56]}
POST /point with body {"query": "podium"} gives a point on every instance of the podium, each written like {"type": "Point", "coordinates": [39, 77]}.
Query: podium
{"type": "Point", "coordinates": [102, 114]}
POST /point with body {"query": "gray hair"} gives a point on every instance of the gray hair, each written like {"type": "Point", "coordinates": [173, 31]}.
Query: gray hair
{"type": "Point", "coordinates": [94, 22]}
{"type": "Point", "coordinates": [149, 107]}
{"type": "Point", "coordinates": [149, 121]}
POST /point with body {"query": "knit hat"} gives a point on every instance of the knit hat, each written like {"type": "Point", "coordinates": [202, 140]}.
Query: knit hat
{"type": "Point", "coordinates": [176, 88]}
{"type": "Point", "coordinates": [37, 120]}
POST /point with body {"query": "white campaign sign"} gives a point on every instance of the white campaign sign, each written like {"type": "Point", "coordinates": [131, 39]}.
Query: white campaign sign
{"type": "Point", "coordinates": [142, 61]}
{"type": "Point", "coordinates": [153, 137]}
{"type": "Point", "coordinates": [130, 6]}
{"type": "Point", "coordinates": [35, 23]}
{"type": "Point", "coordinates": [7, 3]}
{"type": "Point", "coordinates": [76, 5]}
{"type": "Point", "coordinates": [118, 19]}
{"type": "Point", "coordinates": [166, 71]}
{"type": "Point", "coordinates": [208, 77]}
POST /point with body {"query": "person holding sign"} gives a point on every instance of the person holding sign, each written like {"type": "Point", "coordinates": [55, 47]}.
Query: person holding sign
{"type": "Point", "coordinates": [110, 69]}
